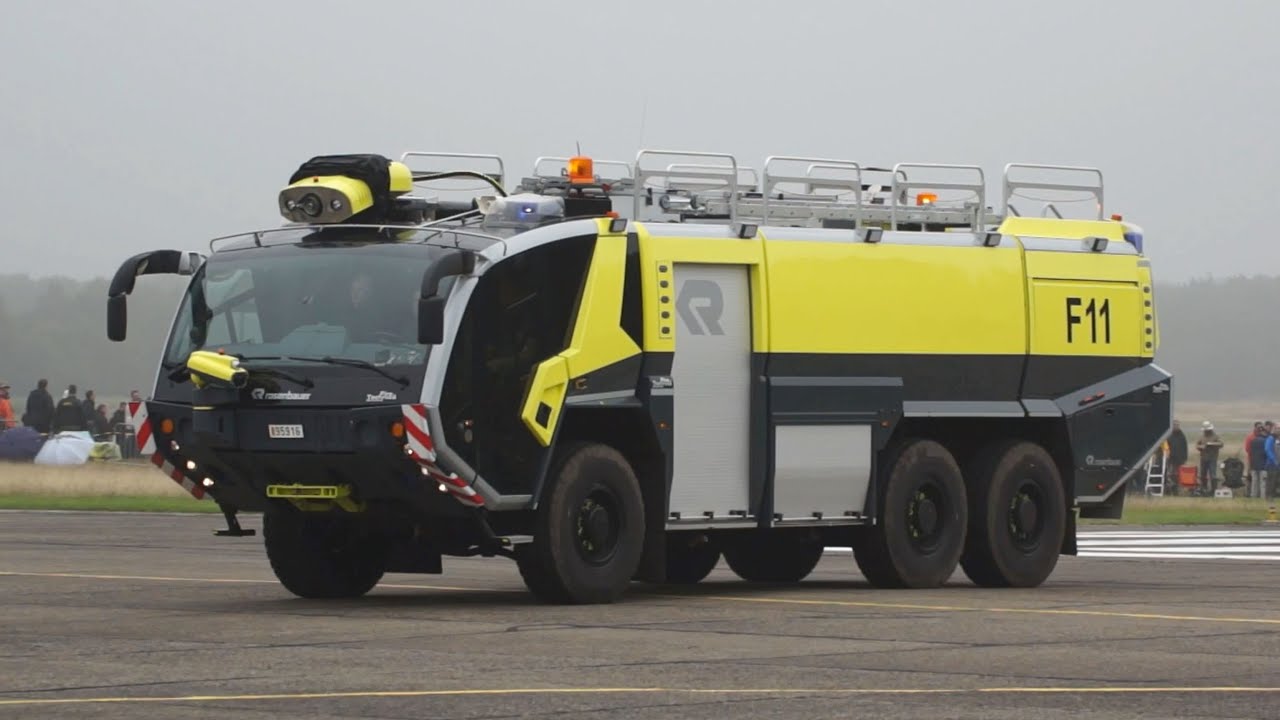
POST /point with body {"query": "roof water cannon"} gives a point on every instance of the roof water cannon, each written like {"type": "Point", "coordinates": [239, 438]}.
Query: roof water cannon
{"type": "Point", "coordinates": [340, 188]}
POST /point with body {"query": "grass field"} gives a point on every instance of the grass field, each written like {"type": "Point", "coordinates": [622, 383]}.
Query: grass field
{"type": "Point", "coordinates": [140, 487]}
{"type": "Point", "coordinates": [1189, 511]}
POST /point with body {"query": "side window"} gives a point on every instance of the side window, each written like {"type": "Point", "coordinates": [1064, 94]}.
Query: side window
{"type": "Point", "coordinates": [180, 344]}
{"type": "Point", "coordinates": [632, 313]}
{"type": "Point", "coordinates": [234, 310]}
{"type": "Point", "coordinates": [521, 313]}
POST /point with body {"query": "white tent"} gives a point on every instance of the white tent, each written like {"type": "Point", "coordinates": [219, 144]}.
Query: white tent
{"type": "Point", "coordinates": [66, 448]}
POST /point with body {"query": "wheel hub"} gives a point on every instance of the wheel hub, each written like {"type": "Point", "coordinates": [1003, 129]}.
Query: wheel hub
{"type": "Point", "coordinates": [927, 516]}
{"type": "Point", "coordinates": [596, 524]}
{"type": "Point", "coordinates": [1026, 514]}
{"type": "Point", "coordinates": [598, 527]}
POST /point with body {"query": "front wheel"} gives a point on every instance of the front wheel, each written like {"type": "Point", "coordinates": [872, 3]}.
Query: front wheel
{"type": "Point", "coordinates": [921, 519]}
{"type": "Point", "coordinates": [590, 530]}
{"type": "Point", "coordinates": [1019, 516]}
{"type": "Point", "coordinates": [323, 555]}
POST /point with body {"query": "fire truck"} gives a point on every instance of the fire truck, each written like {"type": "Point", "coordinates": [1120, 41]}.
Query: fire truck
{"type": "Point", "coordinates": [617, 372]}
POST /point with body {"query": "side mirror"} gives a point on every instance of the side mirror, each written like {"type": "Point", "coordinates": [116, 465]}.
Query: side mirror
{"type": "Point", "coordinates": [430, 304]}
{"type": "Point", "coordinates": [117, 317]}
{"type": "Point", "coordinates": [156, 262]}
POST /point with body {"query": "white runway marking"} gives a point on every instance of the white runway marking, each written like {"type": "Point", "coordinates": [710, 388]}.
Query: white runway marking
{"type": "Point", "coordinates": [1182, 544]}
{"type": "Point", "coordinates": [1173, 544]}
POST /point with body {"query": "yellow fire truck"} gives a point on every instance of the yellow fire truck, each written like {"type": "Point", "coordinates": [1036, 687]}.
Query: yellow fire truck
{"type": "Point", "coordinates": [627, 371]}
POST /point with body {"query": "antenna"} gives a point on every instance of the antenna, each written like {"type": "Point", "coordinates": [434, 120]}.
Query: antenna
{"type": "Point", "coordinates": [578, 143]}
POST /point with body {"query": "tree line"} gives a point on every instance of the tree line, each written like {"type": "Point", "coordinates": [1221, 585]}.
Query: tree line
{"type": "Point", "coordinates": [1220, 337]}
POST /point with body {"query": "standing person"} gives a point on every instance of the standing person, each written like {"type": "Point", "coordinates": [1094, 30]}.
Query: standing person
{"type": "Point", "coordinates": [90, 404]}
{"type": "Point", "coordinates": [1208, 446]}
{"type": "Point", "coordinates": [69, 414]}
{"type": "Point", "coordinates": [1248, 440]}
{"type": "Point", "coordinates": [1177, 455]}
{"type": "Point", "coordinates": [7, 419]}
{"type": "Point", "coordinates": [100, 425]}
{"type": "Point", "coordinates": [1258, 461]}
{"type": "Point", "coordinates": [39, 412]}
{"type": "Point", "coordinates": [1272, 449]}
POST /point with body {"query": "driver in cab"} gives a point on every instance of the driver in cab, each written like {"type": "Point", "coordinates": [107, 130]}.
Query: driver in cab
{"type": "Point", "coordinates": [373, 316]}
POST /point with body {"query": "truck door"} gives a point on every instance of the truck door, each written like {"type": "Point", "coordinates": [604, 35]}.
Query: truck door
{"type": "Point", "coordinates": [706, 308]}
{"type": "Point", "coordinates": [519, 315]}
{"type": "Point", "coordinates": [711, 374]}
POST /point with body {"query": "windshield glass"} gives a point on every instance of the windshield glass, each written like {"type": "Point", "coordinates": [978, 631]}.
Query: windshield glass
{"type": "Point", "coordinates": [356, 301]}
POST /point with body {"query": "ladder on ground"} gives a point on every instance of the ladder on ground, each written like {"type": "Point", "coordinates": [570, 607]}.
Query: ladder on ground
{"type": "Point", "coordinates": [1154, 484]}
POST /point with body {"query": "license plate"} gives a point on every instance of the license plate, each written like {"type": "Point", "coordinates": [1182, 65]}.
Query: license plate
{"type": "Point", "coordinates": [284, 431]}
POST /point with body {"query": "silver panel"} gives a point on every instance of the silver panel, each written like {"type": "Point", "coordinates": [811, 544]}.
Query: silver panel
{"type": "Point", "coordinates": [711, 374]}
{"type": "Point", "coordinates": [821, 469]}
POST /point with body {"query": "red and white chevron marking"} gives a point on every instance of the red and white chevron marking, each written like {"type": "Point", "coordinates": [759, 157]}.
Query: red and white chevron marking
{"type": "Point", "coordinates": [177, 476]}
{"type": "Point", "coordinates": [423, 452]}
{"type": "Point", "coordinates": [142, 427]}
{"type": "Point", "coordinates": [147, 446]}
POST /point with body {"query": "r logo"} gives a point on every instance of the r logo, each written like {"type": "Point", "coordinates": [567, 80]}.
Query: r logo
{"type": "Point", "coordinates": [701, 299]}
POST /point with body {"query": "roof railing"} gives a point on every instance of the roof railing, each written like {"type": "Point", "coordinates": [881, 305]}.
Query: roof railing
{"type": "Point", "coordinates": [724, 171]}
{"type": "Point", "coordinates": [1014, 187]}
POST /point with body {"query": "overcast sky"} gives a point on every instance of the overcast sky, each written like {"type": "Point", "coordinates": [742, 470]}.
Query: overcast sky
{"type": "Point", "coordinates": [128, 126]}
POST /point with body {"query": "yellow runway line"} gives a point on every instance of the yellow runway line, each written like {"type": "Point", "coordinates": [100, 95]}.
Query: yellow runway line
{"type": "Point", "coordinates": [373, 694]}
{"type": "Point", "coordinates": [998, 610]}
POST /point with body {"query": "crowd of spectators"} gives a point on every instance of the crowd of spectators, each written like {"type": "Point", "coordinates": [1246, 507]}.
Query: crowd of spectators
{"type": "Point", "coordinates": [1256, 471]}
{"type": "Point", "coordinates": [70, 413]}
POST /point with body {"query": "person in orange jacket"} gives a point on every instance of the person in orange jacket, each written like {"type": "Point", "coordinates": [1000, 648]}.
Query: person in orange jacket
{"type": "Point", "coordinates": [7, 419]}
{"type": "Point", "coordinates": [1248, 443]}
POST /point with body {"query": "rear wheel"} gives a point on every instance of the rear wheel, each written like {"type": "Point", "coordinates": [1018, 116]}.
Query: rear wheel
{"type": "Point", "coordinates": [590, 530]}
{"type": "Point", "coordinates": [773, 556]}
{"type": "Point", "coordinates": [691, 557]}
{"type": "Point", "coordinates": [922, 514]}
{"type": "Point", "coordinates": [1018, 516]}
{"type": "Point", "coordinates": [323, 555]}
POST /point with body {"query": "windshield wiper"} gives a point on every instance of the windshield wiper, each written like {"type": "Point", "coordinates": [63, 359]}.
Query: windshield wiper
{"type": "Point", "coordinates": [178, 371]}
{"type": "Point", "coordinates": [273, 372]}
{"type": "Point", "coordinates": [354, 362]}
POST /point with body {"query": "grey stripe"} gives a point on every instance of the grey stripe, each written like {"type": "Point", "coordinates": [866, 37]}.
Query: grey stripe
{"type": "Point", "coordinates": [963, 408]}
{"type": "Point", "coordinates": [589, 398]}
{"type": "Point", "coordinates": [827, 381]}
{"type": "Point", "coordinates": [1042, 408]}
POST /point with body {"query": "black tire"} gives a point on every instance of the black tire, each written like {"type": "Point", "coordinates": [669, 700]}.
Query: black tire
{"type": "Point", "coordinates": [590, 530]}
{"type": "Point", "coordinates": [773, 556]}
{"type": "Point", "coordinates": [691, 557]}
{"type": "Point", "coordinates": [921, 518]}
{"type": "Point", "coordinates": [1018, 516]}
{"type": "Point", "coordinates": [322, 555]}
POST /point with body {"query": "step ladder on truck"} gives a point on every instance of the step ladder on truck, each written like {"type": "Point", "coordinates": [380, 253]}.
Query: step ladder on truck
{"type": "Point", "coordinates": [629, 371]}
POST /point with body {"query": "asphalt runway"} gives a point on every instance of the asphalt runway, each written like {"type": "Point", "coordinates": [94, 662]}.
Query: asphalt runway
{"type": "Point", "coordinates": [150, 616]}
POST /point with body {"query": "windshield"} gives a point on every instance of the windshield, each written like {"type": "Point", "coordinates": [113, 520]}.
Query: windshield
{"type": "Point", "coordinates": [354, 301]}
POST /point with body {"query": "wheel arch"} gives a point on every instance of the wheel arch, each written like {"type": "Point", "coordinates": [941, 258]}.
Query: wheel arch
{"type": "Point", "coordinates": [629, 430]}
